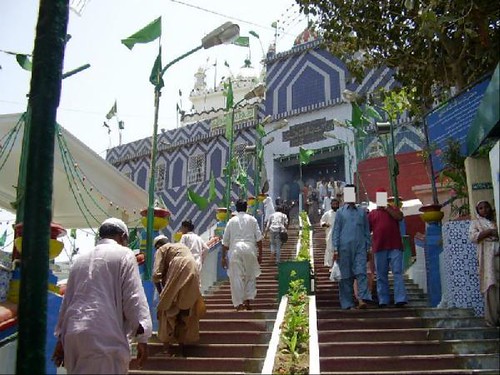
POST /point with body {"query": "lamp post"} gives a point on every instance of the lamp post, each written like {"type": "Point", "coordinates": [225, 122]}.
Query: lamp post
{"type": "Point", "coordinates": [258, 91]}
{"type": "Point", "coordinates": [357, 124]}
{"type": "Point", "coordinates": [259, 150]}
{"type": "Point", "coordinates": [222, 35]}
{"type": "Point", "coordinates": [346, 145]}
{"type": "Point", "coordinates": [384, 128]}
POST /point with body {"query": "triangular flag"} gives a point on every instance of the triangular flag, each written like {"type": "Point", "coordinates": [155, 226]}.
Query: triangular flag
{"type": "Point", "coordinates": [200, 201]}
{"type": "Point", "coordinates": [3, 238]}
{"type": "Point", "coordinates": [155, 77]}
{"type": "Point", "coordinates": [24, 61]}
{"type": "Point", "coordinates": [251, 32]}
{"type": "Point", "coordinates": [112, 111]}
{"type": "Point", "coordinates": [147, 34]}
{"type": "Point", "coordinates": [72, 233]}
{"type": "Point", "coordinates": [242, 41]}
{"type": "Point", "coordinates": [305, 155]}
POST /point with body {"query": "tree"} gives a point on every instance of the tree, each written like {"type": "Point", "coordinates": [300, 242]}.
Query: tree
{"type": "Point", "coordinates": [433, 45]}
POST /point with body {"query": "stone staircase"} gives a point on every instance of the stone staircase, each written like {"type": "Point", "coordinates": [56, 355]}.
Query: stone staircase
{"type": "Point", "coordinates": [410, 340]}
{"type": "Point", "coordinates": [231, 342]}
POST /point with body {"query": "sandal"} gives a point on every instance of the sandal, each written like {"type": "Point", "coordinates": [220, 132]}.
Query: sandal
{"type": "Point", "coordinates": [240, 307]}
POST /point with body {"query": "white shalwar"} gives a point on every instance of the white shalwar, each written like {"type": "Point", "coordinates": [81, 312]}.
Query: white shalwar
{"type": "Point", "coordinates": [241, 236]}
{"type": "Point", "coordinates": [197, 247]}
{"type": "Point", "coordinates": [329, 219]}
{"type": "Point", "coordinates": [102, 308]}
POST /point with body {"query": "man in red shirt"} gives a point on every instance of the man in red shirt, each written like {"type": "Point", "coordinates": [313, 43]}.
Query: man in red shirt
{"type": "Point", "coordinates": [387, 248]}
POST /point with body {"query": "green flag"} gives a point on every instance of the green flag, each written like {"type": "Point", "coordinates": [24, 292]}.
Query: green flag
{"type": "Point", "coordinates": [145, 35]}
{"type": "Point", "coordinates": [112, 112]}
{"type": "Point", "coordinates": [260, 130]}
{"type": "Point", "coordinates": [72, 233]}
{"type": "Point", "coordinates": [155, 77]}
{"type": "Point", "coordinates": [211, 189]}
{"type": "Point", "coordinates": [3, 238]}
{"type": "Point", "coordinates": [251, 32]}
{"type": "Point", "coordinates": [229, 107]}
{"type": "Point", "coordinates": [200, 201]}
{"type": "Point", "coordinates": [305, 155]}
{"type": "Point", "coordinates": [242, 41]}
{"type": "Point", "coordinates": [24, 61]}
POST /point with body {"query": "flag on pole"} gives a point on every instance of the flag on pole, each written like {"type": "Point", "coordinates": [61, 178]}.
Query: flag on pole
{"type": "Point", "coordinates": [242, 41]}
{"type": "Point", "coordinates": [147, 34]}
{"type": "Point", "coordinates": [73, 233]}
{"type": "Point", "coordinates": [253, 33]}
{"type": "Point", "coordinates": [155, 77]}
{"type": "Point", "coordinates": [24, 61]}
{"type": "Point", "coordinates": [305, 155]}
{"type": "Point", "coordinates": [112, 112]}
{"type": "Point", "coordinates": [229, 107]}
{"type": "Point", "coordinates": [3, 239]}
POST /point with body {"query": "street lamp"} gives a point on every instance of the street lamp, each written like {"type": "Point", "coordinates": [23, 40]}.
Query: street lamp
{"type": "Point", "coordinates": [384, 128]}
{"type": "Point", "coordinates": [224, 34]}
{"type": "Point", "coordinates": [259, 150]}
{"type": "Point", "coordinates": [346, 145]}
{"type": "Point", "coordinates": [257, 91]}
{"type": "Point", "coordinates": [354, 98]}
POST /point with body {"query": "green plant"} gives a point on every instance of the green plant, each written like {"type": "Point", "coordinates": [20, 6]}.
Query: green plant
{"type": "Point", "coordinates": [453, 177]}
{"type": "Point", "coordinates": [293, 356]}
{"type": "Point", "coordinates": [304, 239]}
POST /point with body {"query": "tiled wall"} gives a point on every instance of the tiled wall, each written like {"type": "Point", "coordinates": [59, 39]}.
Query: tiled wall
{"type": "Point", "coordinates": [461, 267]}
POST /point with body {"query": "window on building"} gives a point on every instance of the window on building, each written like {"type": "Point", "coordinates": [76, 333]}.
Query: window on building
{"type": "Point", "coordinates": [196, 169]}
{"type": "Point", "coordinates": [161, 170]}
{"type": "Point", "coordinates": [240, 155]}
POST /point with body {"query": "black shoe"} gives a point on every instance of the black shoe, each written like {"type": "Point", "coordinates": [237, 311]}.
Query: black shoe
{"type": "Point", "coordinates": [370, 302]}
{"type": "Point", "coordinates": [401, 304]}
{"type": "Point", "coordinates": [382, 305]}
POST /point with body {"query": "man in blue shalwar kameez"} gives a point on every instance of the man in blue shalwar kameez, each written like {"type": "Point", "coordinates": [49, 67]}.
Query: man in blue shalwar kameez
{"type": "Point", "coordinates": [351, 242]}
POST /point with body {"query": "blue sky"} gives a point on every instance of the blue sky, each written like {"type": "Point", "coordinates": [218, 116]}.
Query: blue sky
{"type": "Point", "coordinates": [121, 74]}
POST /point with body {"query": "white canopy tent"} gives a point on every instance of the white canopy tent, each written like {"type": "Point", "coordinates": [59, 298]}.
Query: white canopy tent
{"type": "Point", "coordinates": [87, 189]}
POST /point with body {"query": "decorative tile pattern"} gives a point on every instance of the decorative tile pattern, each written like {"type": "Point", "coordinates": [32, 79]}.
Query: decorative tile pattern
{"type": "Point", "coordinates": [461, 267]}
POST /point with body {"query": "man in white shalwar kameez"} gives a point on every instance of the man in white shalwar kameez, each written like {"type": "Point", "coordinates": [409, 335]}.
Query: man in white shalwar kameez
{"type": "Point", "coordinates": [327, 221]}
{"type": "Point", "coordinates": [240, 243]}
{"type": "Point", "coordinates": [103, 307]}
{"type": "Point", "coordinates": [195, 243]}
{"type": "Point", "coordinates": [268, 208]}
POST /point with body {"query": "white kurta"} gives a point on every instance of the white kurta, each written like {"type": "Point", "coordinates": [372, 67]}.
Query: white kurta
{"type": "Point", "coordinates": [196, 245]}
{"type": "Point", "coordinates": [104, 303]}
{"type": "Point", "coordinates": [268, 208]}
{"type": "Point", "coordinates": [241, 236]}
{"type": "Point", "coordinates": [329, 219]}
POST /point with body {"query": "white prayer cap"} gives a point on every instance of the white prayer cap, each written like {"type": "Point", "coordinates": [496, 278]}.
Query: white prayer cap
{"type": "Point", "coordinates": [158, 238]}
{"type": "Point", "coordinates": [113, 221]}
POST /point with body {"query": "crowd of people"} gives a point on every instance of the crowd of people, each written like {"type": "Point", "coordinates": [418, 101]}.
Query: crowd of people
{"type": "Point", "coordinates": [105, 306]}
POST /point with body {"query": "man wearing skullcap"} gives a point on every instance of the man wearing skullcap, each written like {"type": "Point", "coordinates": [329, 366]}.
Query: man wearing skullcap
{"type": "Point", "coordinates": [180, 306]}
{"type": "Point", "coordinates": [104, 305]}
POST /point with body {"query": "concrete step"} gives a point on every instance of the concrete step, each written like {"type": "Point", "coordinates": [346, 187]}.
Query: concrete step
{"type": "Point", "coordinates": [392, 312]}
{"type": "Point", "coordinates": [229, 306]}
{"type": "Point", "coordinates": [402, 348]}
{"type": "Point", "coordinates": [416, 362]}
{"type": "Point", "coordinates": [397, 322]}
{"type": "Point", "coordinates": [258, 325]}
{"type": "Point", "coordinates": [211, 350]}
{"type": "Point", "coordinates": [193, 364]}
{"type": "Point", "coordinates": [408, 334]}
{"type": "Point", "coordinates": [234, 337]}
{"type": "Point", "coordinates": [419, 372]}
{"type": "Point", "coordinates": [232, 314]}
